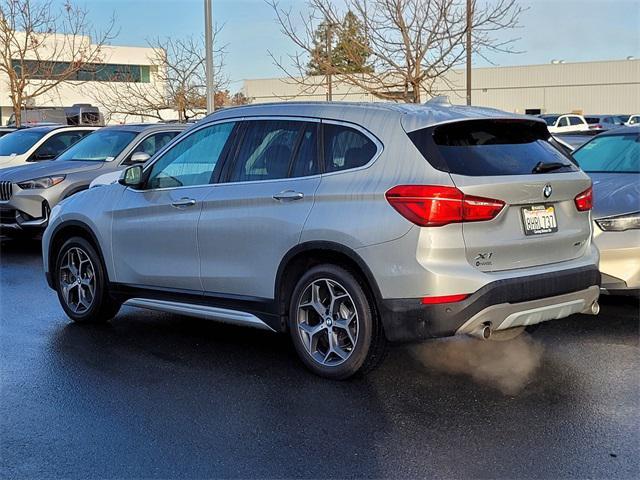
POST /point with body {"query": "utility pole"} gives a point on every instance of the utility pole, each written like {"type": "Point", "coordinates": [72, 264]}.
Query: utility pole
{"type": "Point", "coordinates": [208, 39]}
{"type": "Point", "coordinates": [330, 63]}
{"type": "Point", "coordinates": [469, 24]}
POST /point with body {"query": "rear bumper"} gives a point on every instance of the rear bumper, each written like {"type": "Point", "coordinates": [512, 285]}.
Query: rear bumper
{"type": "Point", "coordinates": [518, 301]}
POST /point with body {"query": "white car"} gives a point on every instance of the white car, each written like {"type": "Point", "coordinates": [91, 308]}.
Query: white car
{"type": "Point", "coordinates": [633, 120]}
{"type": "Point", "coordinates": [565, 123]}
{"type": "Point", "coordinates": [36, 144]}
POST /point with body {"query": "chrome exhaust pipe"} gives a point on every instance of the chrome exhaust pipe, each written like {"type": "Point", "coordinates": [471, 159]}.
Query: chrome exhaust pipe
{"type": "Point", "coordinates": [483, 332]}
{"type": "Point", "coordinates": [594, 309]}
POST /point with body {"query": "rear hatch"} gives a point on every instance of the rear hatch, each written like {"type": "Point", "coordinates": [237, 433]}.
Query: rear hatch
{"type": "Point", "coordinates": [511, 160]}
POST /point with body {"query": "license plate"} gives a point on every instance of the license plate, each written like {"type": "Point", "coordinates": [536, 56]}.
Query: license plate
{"type": "Point", "coordinates": [539, 219]}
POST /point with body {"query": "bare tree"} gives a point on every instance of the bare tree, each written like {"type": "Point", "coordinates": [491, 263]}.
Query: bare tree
{"type": "Point", "coordinates": [42, 46]}
{"type": "Point", "coordinates": [178, 83]}
{"type": "Point", "coordinates": [412, 43]}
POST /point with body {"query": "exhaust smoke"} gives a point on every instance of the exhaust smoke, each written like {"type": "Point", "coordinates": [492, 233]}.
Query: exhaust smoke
{"type": "Point", "coordinates": [507, 366]}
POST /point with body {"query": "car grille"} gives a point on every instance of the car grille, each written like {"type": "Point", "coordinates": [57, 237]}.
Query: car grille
{"type": "Point", "coordinates": [7, 217]}
{"type": "Point", "coordinates": [6, 189]}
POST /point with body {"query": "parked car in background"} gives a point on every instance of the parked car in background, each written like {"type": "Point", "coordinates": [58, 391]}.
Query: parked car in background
{"type": "Point", "coordinates": [347, 225]}
{"type": "Point", "coordinates": [602, 123]}
{"type": "Point", "coordinates": [565, 123]}
{"type": "Point", "coordinates": [28, 193]}
{"type": "Point", "coordinates": [574, 140]}
{"type": "Point", "coordinates": [35, 144]}
{"type": "Point", "coordinates": [77, 114]}
{"type": "Point", "coordinates": [633, 120]}
{"type": "Point", "coordinates": [612, 160]}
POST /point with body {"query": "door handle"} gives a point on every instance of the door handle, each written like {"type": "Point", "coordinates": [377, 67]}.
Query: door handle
{"type": "Point", "coordinates": [184, 202]}
{"type": "Point", "coordinates": [288, 196]}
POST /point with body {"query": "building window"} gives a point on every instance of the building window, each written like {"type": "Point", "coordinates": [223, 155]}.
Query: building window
{"type": "Point", "coordinates": [90, 72]}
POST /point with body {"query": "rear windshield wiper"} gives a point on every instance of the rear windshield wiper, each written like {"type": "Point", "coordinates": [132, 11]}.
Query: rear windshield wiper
{"type": "Point", "coordinates": [542, 167]}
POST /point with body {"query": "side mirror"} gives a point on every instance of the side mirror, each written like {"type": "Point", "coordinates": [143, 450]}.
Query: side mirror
{"type": "Point", "coordinates": [131, 177]}
{"type": "Point", "coordinates": [37, 157]}
{"type": "Point", "coordinates": [139, 157]}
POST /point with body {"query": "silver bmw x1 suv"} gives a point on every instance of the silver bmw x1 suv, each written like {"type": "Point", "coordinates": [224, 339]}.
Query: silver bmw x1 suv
{"type": "Point", "coordinates": [346, 225]}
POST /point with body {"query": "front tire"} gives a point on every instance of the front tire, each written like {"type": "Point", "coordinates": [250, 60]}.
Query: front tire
{"type": "Point", "coordinates": [81, 283]}
{"type": "Point", "coordinates": [333, 323]}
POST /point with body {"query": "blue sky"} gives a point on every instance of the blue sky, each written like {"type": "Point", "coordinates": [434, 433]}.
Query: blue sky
{"type": "Point", "coordinates": [573, 30]}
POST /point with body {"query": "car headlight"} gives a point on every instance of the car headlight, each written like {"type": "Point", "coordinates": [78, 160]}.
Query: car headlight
{"type": "Point", "coordinates": [44, 182]}
{"type": "Point", "coordinates": [630, 221]}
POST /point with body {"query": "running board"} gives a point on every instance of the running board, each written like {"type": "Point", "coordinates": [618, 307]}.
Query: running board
{"type": "Point", "coordinates": [232, 317]}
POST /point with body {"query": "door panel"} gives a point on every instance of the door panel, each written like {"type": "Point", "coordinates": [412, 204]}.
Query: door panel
{"type": "Point", "coordinates": [247, 226]}
{"type": "Point", "coordinates": [154, 242]}
{"type": "Point", "coordinates": [155, 229]}
{"type": "Point", "coordinates": [244, 233]}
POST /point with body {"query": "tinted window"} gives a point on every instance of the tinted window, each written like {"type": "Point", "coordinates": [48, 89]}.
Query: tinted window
{"type": "Point", "coordinates": [266, 150]}
{"type": "Point", "coordinates": [153, 143]}
{"type": "Point", "coordinates": [592, 120]}
{"type": "Point", "coordinates": [306, 161]}
{"type": "Point", "coordinates": [53, 146]}
{"type": "Point", "coordinates": [563, 122]}
{"type": "Point", "coordinates": [612, 153]}
{"type": "Point", "coordinates": [575, 120]}
{"type": "Point", "coordinates": [489, 147]}
{"type": "Point", "coordinates": [19, 142]}
{"type": "Point", "coordinates": [346, 147]}
{"type": "Point", "coordinates": [100, 146]}
{"type": "Point", "coordinates": [191, 161]}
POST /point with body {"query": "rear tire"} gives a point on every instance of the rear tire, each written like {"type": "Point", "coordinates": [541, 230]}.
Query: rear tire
{"type": "Point", "coordinates": [333, 323]}
{"type": "Point", "coordinates": [81, 282]}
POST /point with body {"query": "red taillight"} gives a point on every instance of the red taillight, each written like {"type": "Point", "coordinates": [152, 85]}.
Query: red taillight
{"type": "Point", "coordinates": [584, 200]}
{"type": "Point", "coordinates": [436, 205]}
{"type": "Point", "coordinates": [444, 299]}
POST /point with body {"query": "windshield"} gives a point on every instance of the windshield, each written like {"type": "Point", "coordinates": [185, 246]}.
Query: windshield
{"type": "Point", "coordinates": [101, 146]}
{"type": "Point", "coordinates": [550, 119]}
{"type": "Point", "coordinates": [19, 142]}
{"type": "Point", "coordinates": [612, 153]}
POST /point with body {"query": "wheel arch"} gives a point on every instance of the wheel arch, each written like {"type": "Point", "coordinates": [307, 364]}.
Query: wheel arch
{"type": "Point", "coordinates": [61, 233]}
{"type": "Point", "coordinates": [308, 254]}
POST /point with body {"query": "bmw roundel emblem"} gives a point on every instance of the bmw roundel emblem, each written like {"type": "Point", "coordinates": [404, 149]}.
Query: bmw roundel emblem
{"type": "Point", "coordinates": [547, 191]}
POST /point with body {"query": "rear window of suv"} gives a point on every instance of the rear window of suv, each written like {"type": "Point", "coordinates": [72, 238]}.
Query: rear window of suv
{"type": "Point", "coordinates": [489, 147]}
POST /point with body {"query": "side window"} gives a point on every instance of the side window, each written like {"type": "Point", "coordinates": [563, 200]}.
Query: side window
{"type": "Point", "coordinates": [306, 161]}
{"type": "Point", "coordinates": [575, 120]}
{"type": "Point", "coordinates": [55, 145]}
{"type": "Point", "coordinates": [191, 161]}
{"type": "Point", "coordinates": [266, 150]}
{"type": "Point", "coordinates": [345, 148]}
{"type": "Point", "coordinates": [152, 144]}
{"type": "Point", "coordinates": [563, 122]}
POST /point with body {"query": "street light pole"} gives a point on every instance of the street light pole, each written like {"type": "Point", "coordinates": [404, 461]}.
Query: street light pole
{"type": "Point", "coordinates": [468, 48]}
{"type": "Point", "coordinates": [208, 39]}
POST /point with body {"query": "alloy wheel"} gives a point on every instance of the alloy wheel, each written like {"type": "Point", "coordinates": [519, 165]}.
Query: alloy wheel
{"type": "Point", "coordinates": [77, 280]}
{"type": "Point", "coordinates": [327, 322]}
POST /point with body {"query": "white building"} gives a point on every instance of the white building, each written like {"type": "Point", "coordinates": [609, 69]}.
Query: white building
{"type": "Point", "coordinates": [586, 87]}
{"type": "Point", "coordinates": [117, 62]}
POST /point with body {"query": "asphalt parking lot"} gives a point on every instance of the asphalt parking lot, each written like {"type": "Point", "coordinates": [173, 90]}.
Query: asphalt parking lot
{"type": "Point", "coordinates": [159, 396]}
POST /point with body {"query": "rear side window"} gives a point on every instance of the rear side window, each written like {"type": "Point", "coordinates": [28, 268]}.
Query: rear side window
{"type": "Point", "coordinates": [266, 150]}
{"type": "Point", "coordinates": [575, 120]}
{"type": "Point", "coordinates": [306, 161]}
{"type": "Point", "coordinates": [489, 147]}
{"type": "Point", "coordinates": [346, 147]}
